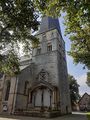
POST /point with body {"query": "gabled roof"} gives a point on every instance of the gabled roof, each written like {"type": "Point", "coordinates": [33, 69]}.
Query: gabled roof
{"type": "Point", "coordinates": [83, 97]}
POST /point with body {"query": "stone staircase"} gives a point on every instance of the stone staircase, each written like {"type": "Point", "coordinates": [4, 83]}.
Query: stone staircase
{"type": "Point", "coordinates": [39, 113]}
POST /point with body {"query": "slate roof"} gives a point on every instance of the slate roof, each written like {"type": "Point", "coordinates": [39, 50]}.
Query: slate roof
{"type": "Point", "coordinates": [49, 23]}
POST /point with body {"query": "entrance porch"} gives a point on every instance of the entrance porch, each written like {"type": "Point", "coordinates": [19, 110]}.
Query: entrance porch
{"type": "Point", "coordinates": [43, 97]}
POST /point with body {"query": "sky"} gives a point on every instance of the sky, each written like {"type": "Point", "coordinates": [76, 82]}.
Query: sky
{"type": "Point", "coordinates": [77, 71]}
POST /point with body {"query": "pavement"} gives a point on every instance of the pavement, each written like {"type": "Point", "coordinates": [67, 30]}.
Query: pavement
{"type": "Point", "coordinates": [73, 116]}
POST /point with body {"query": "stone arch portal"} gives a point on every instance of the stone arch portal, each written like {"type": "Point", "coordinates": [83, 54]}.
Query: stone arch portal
{"type": "Point", "coordinates": [43, 95]}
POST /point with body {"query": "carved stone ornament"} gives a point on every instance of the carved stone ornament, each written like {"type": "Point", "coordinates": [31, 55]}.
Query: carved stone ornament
{"type": "Point", "coordinates": [43, 75]}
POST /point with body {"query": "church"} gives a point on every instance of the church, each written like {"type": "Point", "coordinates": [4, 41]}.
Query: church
{"type": "Point", "coordinates": [41, 88]}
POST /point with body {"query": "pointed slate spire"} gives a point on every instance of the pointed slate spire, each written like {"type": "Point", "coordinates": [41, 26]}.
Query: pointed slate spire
{"type": "Point", "coordinates": [49, 23]}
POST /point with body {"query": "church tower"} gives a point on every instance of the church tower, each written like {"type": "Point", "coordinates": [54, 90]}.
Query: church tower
{"type": "Point", "coordinates": [51, 69]}
{"type": "Point", "coordinates": [41, 88]}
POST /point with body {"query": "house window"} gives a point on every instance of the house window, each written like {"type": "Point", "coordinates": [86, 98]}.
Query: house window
{"type": "Point", "coordinates": [7, 90]}
{"type": "Point", "coordinates": [38, 51]}
{"type": "Point", "coordinates": [25, 87]}
{"type": "Point", "coordinates": [49, 47]}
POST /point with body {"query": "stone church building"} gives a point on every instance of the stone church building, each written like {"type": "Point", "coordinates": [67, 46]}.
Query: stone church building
{"type": "Point", "coordinates": [42, 85]}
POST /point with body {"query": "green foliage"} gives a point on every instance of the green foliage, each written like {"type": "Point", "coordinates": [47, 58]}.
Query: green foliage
{"type": "Point", "coordinates": [74, 89]}
{"type": "Point", "coordinates": [17, 19]}
{"type": "Point", "coordinates": [88, 115]}
{"type": "Point", "coordinates": [9, 64]}
{"type": "Point", "coordinates": [88, 79]}
{"type": "Point", "coordinates": [77, 21]}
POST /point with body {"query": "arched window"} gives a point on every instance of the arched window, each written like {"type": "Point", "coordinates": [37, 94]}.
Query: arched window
{"type": "Point", "coordinates": [7, 90]}
{"type": "Point", "coordinates": [49, 47]}
{"type": "Point", "coordinates": [38, 51]}
{"type": "Point", "coordinates": [25, 87]}
{"type": "Point", "coordinates": [1, 75]}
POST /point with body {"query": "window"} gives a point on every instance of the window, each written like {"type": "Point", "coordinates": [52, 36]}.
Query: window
{"type": "Point", "coordinates": [38, 51]}
{"type": "Point", "coordinates": [60, 47]}
{"type": "Point", "coordinates": [52, 35]}
{"type": "Point", "coordinates": [1, 75]}
{"type": "Point", "coordinates": [25, 87]}
{"type": "Point", "coordinates": [49, 47]}
{"type": "Point", "coordinates": [7, 90]}
{"type": "Point", "coordinates": [44, 37]}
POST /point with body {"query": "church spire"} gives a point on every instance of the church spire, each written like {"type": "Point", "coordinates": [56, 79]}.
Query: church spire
{"type": "Point", "coordinates": [49, 23]}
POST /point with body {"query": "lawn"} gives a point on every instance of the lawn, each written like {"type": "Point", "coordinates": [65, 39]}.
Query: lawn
{"type": "Point", "coordinates": [88, 115]}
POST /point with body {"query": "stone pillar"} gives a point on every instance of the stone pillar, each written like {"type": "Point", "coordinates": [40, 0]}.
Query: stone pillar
{"type": "Point", "coordinates": [29, 97]}
{"type": "Point", "coordinates": [12, 95]}
{"type": "Point", "coordinates": [50, 98]}
{"type": "Point", "coordinates": [34, 99]}
{"type": "Point", "coordinates": [42, 97]}
{"type": "Point", "coordinates": [58, 100]}
{"type": "Point", "coordinates": [54, 99]}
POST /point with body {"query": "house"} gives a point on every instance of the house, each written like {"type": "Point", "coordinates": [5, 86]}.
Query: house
{"type": "Point", "coordinates": [84, 102]}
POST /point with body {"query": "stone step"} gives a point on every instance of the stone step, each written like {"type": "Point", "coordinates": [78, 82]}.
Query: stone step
{"type": "Point", "coordinates": [47, 114]}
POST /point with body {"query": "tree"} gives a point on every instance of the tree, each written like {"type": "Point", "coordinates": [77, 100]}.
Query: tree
{"type": "Point", "coordinates": [77, 21]}
{"type": "Point", "coordinates": [17, 19]}
{"type": "Point", "coordinates": [74, 90]}
{"type": "Point", "coordinates": [88, 79]}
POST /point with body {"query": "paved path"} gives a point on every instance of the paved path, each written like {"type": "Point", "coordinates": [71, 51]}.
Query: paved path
{"type": "Point", "coordinates": [74, 116]}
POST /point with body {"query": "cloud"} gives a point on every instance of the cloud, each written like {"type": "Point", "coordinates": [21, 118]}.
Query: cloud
{"type": "Point", "coordinates": [82, 79]}
{"type": "Point", "coordinates": [69, 59]}
{"type": "Point", "coordinates": [83, 86]}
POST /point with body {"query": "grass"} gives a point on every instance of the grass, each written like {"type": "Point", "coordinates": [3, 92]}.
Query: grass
{"type": "Point", "coordinates": [88, 115]}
